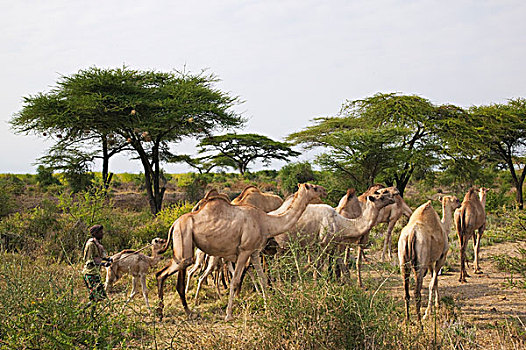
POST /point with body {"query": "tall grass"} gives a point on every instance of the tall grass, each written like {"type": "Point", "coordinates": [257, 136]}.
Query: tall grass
{"type": "Point", "coordinates": [41, 309]}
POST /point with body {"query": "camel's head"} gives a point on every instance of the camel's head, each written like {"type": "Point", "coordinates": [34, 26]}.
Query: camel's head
{"type": "Point", "coordinates": [381, 200]}
{"type": "Point", "coordinates": [158, 243]}
{"type": "Point", "coordinates": [392, 190]}
{"type": "Point", "coordinates": [450, 201]}
{"type": "Point", "coordinates": [482, 192]}
{"type": "Point", "coordinates": [313, 191]}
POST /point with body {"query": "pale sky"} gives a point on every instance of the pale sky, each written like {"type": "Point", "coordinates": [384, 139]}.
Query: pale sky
{"type": "Point", "coordinates": [290, 61]}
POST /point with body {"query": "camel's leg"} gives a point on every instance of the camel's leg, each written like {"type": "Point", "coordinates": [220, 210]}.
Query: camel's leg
{"type": "Point", "coordinates": [463, 243]}
{"type": "Point", "coordinates": [162, 275]}
{"type": "Point", "coordinates": [235, 283]}
{"type": "Point", "coordinates": [406, 274]}
{"type": "Point", "coordinates": [476, 248]}
{"type": "Point", "coordinates": [387, 240]}
{"type": "Point", "coordinates": [363, 241]}
{"type": "Point", "coordinates": [433, 286]}
{"type": "Point", "coordinates": [209, 268]}
{"type": "Point", "coordinates": [419, 277]}
{"type": "Point", "coordinates": [135, 283]}
{"type": "Point", "coordinates": [144, 290]}
{"type": "Point", "coordinates": [217, 277]}
{"type": "Point", "coordinates": [256, 262]}
{"type": "Point", "coordinates": [359, 265]}
{"type": "Point", "coordinates": [180, 289]}
{"type": "Point", "coordinates": [198, 263]}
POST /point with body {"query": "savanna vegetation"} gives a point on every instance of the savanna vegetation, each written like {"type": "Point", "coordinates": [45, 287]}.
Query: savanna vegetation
{"type": "Point", "coordinates": [402, 140]}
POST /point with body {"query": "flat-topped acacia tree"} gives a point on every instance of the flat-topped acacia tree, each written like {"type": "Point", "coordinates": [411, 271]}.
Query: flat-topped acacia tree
{"type": "Point", "coordinates": [144, 112]}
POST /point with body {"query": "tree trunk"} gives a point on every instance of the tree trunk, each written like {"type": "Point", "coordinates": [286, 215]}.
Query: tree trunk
{"type": "Point", "coordinates": [106, 177]}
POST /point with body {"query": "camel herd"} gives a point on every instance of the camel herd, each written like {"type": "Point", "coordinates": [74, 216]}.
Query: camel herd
{"type": "Point", "coordinates": [233, 233]}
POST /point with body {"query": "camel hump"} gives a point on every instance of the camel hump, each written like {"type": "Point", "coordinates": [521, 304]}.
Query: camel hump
{"type": "Point", "coordinates": [425, 213]}
{"type": "Point", "coordinates": [246, 191]}
{"type": "Point", "coordinates": [470, 195]}
{"type": "Point", "coordinates": [210, 193]}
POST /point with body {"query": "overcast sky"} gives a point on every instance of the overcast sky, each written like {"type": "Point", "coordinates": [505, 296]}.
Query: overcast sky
{"type": "Point", "coordinates": [290, 61]}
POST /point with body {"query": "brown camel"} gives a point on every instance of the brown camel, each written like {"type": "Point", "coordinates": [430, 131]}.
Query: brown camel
{"type": "Point", "coordinates": [137, 265]}
{"type": "Point", "coordinates": [349, 207]}
{"type": "Point", "coordinates": [469, 218]}
{"type": "Point", "coordinates": [253, 196]}
{"type": "Point", "coordinates": [423, 246]}
{"type": "Point", "coordinates": [235, 233]}
{"type": "Point", "coordinates": [321, 223]}
{"type": "Point", "coordinates": [250, 196]}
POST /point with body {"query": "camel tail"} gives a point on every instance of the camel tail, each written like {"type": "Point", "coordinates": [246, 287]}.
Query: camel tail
{"type": "Point", "coordinates": [167, 244]}
{"type": "Point", "coordinates": [461, 223]}
{"type": "Point", "coordinates": [411, 255]}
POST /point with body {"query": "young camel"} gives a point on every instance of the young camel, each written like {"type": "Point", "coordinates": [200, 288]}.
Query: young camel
{"type": "Point", "coordinates": [423, 245]}
{"type": "Point", "coordinates": [322, 223]}
{"type": "Point", "coordinates": [469, 218]}
{"type": "Point", "coordinates": [253, 196]}
{"type": "Point", "coordinates": [390, 214]}
{"type": "Point", "coordinates": [137, 265]}
{"type": "Point", "coordinates": [235, 233]}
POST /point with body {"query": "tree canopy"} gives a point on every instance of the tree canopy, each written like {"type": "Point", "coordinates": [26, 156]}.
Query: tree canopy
{"type": "Point", "coordinates": [240, 150]}
{"type": "Point", "coordinates": [383, 137]}
{"type": "Point", "coordinates": [144, 112]}
{"type": "Point", "coordinates": [495, 133]}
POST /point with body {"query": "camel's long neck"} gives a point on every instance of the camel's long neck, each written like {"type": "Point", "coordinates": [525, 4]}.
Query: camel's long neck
{"type": "Point", "coordinates": [275, 223]}
{"type": "Point", "coordinates": [155, 258]}
{"type": "Point", "coordinates": [482, 198]}
{"type": "Point", "coordinates": [355, 228]}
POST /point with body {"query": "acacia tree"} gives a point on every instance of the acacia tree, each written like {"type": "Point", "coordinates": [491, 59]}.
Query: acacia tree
{"type": "Point", "coordinates": [142, 111]}
{"type": "Point", "coordinates": [496, 132]}
{"type": "Point", "coordinates": [76, 114]}
{"type": "Point", "coordinates": [386, 135]}
{"type": "Point", "coordinates": [239, 150]}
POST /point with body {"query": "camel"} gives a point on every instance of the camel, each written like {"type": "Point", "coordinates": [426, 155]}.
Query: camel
{"type": "Point", "coordinates": [250, 196]}
{"type": "Point", "coordinates": [137, 265]}
{"type": "Point", "coordinates": [235, 233]}
{"type": "Point", "coordinates": [469, 218]}
{"type": "Point", "coordinates": [389, 214]}
{"type": "Point", "coordinates": [423, 246]}
{"type": "Point", "coordinates": [322, 223]}
{"type": "Point", "coordinates": [253, 196]}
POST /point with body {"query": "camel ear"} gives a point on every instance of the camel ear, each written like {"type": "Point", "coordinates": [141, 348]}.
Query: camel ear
{"type": "Point", "coordinates": [371, 198]}
{"type": "Point", "coordinates": [308, 186]}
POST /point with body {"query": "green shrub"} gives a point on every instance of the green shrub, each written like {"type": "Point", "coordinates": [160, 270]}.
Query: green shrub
{"type": "Point", "coordinates": [45, 177]}
{"type": "Point", "coordinates": [41, 309]}
{"type": "Point", "coordinates": [292, 174]}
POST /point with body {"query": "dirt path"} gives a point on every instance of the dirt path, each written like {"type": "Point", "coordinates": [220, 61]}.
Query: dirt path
{"type": "Point", "coordinates": [486, 297]}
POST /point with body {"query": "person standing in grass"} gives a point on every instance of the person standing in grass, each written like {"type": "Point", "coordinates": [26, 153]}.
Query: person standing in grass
{"type": "Point", "coordinates": [95, 256]}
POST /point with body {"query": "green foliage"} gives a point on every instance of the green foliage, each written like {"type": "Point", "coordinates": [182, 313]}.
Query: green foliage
{"type": "Point", "coordinates": [12, 184]}
{"type": "Point", "coordinates": [45, 177]}
{"type": "Point", "coordinates": [240, 150]}
{"type": "Point", "coordinates": [193, 185]}
{"type": "Point", "coordinates": [160, 225]}
{"type": "Point", "coordinates": [42, 310]}
{"type": "Point", "coordinates": [293, 174]}
{"type": "Point", "coordinates": [385, 138]}
{"type": "Point", "coordinates": [516, 266]}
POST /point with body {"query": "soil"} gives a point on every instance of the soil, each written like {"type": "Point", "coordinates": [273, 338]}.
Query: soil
{"type": "Point", "coordinates": [486, 300]}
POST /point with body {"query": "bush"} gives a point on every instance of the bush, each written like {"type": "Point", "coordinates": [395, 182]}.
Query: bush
{"type": "Point", "coordinates": [41, 309]}
{"type": "Point", "coordinates": [45, 177]}
{"type": "Point", "coordinates": [292, 174]}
